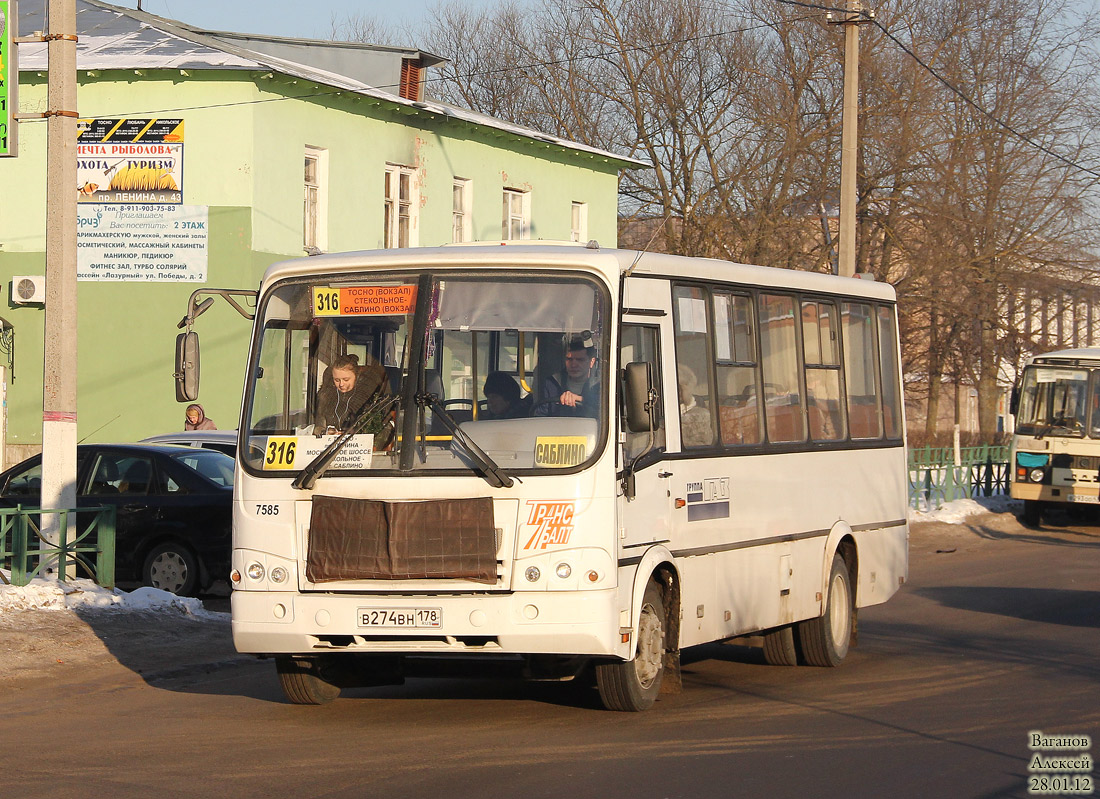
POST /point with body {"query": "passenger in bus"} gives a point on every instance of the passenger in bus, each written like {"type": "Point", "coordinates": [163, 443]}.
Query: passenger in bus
{"type": "Point", "coordinates": [502, 396]}
{"type": "Point", "coordinates": [576, 390]}
{"type": "Point", "coordinates": [696, 429]}
{"type": "Point", "coordinates": [346, 390]}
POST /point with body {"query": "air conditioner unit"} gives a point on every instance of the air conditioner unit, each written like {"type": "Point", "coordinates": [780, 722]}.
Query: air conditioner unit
{"type": "Point", "coordinates": [26, 289]}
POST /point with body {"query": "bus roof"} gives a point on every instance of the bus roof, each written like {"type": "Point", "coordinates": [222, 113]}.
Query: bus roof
{"type": "Point", "coordinates": [1078, 354]}
{"type": "Point", "coordinates": [609, 262]}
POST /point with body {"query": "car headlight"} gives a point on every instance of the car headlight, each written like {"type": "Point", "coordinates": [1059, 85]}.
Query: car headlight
{"type": "Point", "coordinates": [1036, 475]}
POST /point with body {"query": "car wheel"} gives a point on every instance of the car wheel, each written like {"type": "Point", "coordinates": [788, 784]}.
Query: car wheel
{"type": "Point", "coordinates": [172, 568]}
{"type": "Point", "coordinates": [825, 640]}
{"type": "Point", "coordinates": [302, 682]}
{"type": "Point", "coordinates": [633, 685]}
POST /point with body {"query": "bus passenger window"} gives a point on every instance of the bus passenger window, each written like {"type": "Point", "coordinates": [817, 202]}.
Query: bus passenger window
{"type": "Point", "coordinates": [819, 348]}
{"type": "Point", "coordinates": [735, 349]}
{"type": "Point", "coordinates": [779, 354]}
{"type": "Point", "coordinates": [860, 371]}
{"type": "Point", "coordinates": [692, 371]}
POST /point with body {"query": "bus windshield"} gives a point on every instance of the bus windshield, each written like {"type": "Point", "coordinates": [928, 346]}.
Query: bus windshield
{"type": "Point", "coordinates": [512, 365]}
{"type": "Point", "coordinates": [1055, 400]}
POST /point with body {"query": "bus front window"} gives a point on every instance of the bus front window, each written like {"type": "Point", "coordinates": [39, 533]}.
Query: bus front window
{"type": "Point", "coordinates": [1053, 400]}
{"type": "Point", "coordinates": [517, 362]}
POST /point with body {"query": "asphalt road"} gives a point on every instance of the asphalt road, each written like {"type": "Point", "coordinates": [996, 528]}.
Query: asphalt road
{"type": "Point", "coordinates": [997, 634]}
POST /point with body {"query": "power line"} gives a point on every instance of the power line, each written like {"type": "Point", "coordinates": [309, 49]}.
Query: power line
{"type": "Point", "coordinates": [950, 87]}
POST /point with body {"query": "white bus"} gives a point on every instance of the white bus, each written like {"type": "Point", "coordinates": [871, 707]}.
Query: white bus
{"type": "Point", "coordinates": [690, 451]}
{"type": "Point", "coordinates": [1055, 455]}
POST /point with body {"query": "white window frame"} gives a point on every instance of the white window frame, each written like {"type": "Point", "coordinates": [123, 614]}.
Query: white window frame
{"type": "Point", "coordinates": [396, 209]}
{"type": "Point", "coordinates": [513, 223]}
{"type": "Point", "coordinates": [578, 222]}
{"type": "Point", "coordinates": [315, 194]}
{"type": "Point", "coordinates": [461, 216]}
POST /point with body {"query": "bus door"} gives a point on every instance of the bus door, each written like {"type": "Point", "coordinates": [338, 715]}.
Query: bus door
{"type": "Point", "coordinates": [644, 518]}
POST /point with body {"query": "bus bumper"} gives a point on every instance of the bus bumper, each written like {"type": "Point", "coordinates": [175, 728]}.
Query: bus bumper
{"type": "Point", "coordinates": [575, 623]}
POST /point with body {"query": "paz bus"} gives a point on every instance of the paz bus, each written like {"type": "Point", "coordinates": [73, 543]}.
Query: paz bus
{"type": "Point", "coordinates": [1055, 456]}
{"type": "Point", "coordinates": [736, 467]}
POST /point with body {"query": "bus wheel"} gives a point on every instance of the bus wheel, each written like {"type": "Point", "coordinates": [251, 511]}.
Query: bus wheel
{"type": "Point", "coordinates": [779, 649]}
{"type": "Point", "coordinates": [302, 683]}
{"type": "Point", "coordinates": [633, 685]}
{"type": "Point", "coordinates": [825, 640]}
{"type": "Point", "coordinates": [1033, 512]}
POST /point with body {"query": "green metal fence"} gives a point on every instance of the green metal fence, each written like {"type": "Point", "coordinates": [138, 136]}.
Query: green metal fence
{"type": "Point", "coordinates": [935, 479]}
{"type": "Point", "coordinates": [91, 549]}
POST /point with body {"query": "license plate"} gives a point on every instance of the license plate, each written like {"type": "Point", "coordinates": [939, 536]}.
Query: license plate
{"type": "Point", "coordinates": [401, 618]}
{"type": "Point", "coordinates": [1086, 498]}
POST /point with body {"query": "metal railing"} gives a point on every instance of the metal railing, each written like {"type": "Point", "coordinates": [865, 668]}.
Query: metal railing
{"type": "Point", "coordinates": [935, 478]}
{"type": "Point", "coordinates": [22, 542]}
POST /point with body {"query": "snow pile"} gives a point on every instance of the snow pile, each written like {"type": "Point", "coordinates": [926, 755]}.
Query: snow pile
{"type": "Point", "coordinates": [40, 594]}
{"type": "Point", "coordinates": [955, 512]}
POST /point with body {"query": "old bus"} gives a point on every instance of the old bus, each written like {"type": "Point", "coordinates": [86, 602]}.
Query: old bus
{"type": "Point", "coordinates": [690, 451]}
{"type": "Point", "coordinates": [1055, 455]}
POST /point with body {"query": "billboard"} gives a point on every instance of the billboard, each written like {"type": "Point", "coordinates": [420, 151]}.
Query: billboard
{"type": "Point", "coordinates": [9, 77]}
{"type": "Point", "coordinates": [129, 161]}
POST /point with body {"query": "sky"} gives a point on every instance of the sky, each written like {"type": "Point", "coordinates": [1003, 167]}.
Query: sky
{"type": "Point", "coordinates": [290, 17]}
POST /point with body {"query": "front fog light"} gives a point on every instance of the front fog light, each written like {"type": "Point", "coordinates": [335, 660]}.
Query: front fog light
{"type": "Point", "coordinates": [255, 571]}
{"type": "Point", "coordinates": [1036, 475]}
{"type": "Point", "coordinates": [563, 571]}
{"type": "Point", "coordinates": [532, 574]}
{"type": "Point", "coordinates": [279, 574]}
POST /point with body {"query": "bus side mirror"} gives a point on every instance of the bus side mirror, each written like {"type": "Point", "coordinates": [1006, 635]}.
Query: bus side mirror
{"type": "Point", "coordinates": [1014, 400]}
{"type": "Point", "coordinates": [638, 384]}
{"type": "Point", "coordinates": [187, 367]}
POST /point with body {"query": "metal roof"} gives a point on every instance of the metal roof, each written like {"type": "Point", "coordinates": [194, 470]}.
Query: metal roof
{"type": "Point", "coordinates": [113, 38]}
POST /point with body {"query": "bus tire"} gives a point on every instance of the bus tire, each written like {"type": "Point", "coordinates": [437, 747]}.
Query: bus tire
{"type": "Point", "coordinates": [826, 639]}
{"type": "Point", "coordinates": [779, 648]}
{"type": "Point", "coordinates": [171, 567]}
{"type": "Point", "coordinates": [1033, 512]}
{"type": "Point", "coordinates": [633, 685]}
{"type": "Point", "coordinates": [302, 683]}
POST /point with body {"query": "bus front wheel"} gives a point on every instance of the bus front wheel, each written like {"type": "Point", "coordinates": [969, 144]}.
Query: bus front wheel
{"type": "Point", "coordinates": [826, 639]}
{"type": "Point", "coordinates": [302, 682]}
{"type": "Point", "coordinates": [633, 685]}
{"type": "Point", "coordinates": [1033, 512]}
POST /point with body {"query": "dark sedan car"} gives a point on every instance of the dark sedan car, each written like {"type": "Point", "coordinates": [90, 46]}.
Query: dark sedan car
{"type": "Point", "coordinates": [174, 507]}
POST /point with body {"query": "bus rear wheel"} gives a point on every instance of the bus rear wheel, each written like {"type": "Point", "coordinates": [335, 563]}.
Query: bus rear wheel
{"type": "Point", "coordinates": [302, 681]}
{"type": "Point", "coordinates": [779, 647]}
{"type": "Point", "coordinates": [826, 639]}
{"type": "Point", "coordinates": [633, 685]}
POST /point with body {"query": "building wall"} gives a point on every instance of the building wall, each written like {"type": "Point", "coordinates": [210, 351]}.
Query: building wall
{"type": "Point", "coordinates": [244, 160]}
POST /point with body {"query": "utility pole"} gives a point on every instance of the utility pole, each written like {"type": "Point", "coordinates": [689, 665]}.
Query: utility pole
{"type": "Point", "coordinates": [59, 361]}
{"type": "Point", "coordinates": [849, 138]}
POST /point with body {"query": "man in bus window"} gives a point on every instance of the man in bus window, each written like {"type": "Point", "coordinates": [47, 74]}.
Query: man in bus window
{"type": "Point", "coordinates": [575, 391]}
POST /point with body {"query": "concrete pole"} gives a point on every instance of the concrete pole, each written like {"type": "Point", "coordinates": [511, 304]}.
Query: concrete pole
{"type": "Point", "coordinates": [59, 362]}
{"type": "Point", "coordinates": [848, 142]}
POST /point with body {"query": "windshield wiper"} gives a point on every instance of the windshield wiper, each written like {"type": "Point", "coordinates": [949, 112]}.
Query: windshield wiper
{"type": "Point", "coordinates": [494, 475]}
{"type": "Point", "coordinates": [316, 467]}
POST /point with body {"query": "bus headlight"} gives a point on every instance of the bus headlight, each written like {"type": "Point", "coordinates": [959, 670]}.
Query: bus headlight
{"type": "Point", "coordinates": [279, 574]}
{"type": "Point", "coordinates": [563, 571]}
{"type": "Point", "coordinates": [255, 571]}
{"type": "Point", "coordinates": [1036, 475]}
{"type": "Point", "coordinates": [532, 574]}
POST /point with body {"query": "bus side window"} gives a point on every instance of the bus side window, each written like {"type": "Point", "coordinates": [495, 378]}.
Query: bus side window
{"type": "Point", "coordinates": [640, 344]}
{"type": "Point", "coordinates": [693, 358]}
{"type": "Point", "coordinates": [735, 353]}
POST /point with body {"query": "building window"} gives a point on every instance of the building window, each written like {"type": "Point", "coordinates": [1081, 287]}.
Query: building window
{"type": "Point", "coordinates": [578, 227]}
{"type": "Point", "coordinates": [411, 70]}
{"type": "Point", "coordinates": [461, 224]}
{"type": "Point", "coordinates": [400, 207]}
{"type": "Point", "coordinates": [517, 215]}
{"type": "Point", "coordinates": [314, 222]}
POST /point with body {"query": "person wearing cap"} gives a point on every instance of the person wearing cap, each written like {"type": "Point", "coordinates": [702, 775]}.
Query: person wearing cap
{"type": "Point", "coordinates": [575, 391]}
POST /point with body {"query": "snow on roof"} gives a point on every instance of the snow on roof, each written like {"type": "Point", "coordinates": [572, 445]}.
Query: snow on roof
{"type": "Point", "coordinates": [120, 38]}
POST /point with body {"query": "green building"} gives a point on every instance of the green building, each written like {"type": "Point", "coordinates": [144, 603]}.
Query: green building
{"type": "Point", "coordinates": [206, 156]}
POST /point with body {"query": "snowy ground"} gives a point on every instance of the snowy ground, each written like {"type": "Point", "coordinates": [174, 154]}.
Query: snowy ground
{"type": "Point", "coordinates": [40, 594]}
{"type": "Point", "coordinates": [955, 512]}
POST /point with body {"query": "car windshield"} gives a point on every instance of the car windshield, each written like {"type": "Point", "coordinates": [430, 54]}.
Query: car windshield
{"type": "Point", "coordinates": [512, 364]}
{"type": "Point", "coordinates": [217, 467]}
{"type": "Point", "coordinates": [1054, 400]}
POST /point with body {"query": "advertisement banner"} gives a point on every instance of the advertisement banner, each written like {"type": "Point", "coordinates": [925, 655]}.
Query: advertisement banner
{"type": "Point", "coordinates": [9, 77]}
{"type": "Point", "coordinates": [130, 161]}
{"type": "Point", "coordinates": [142, 242]}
